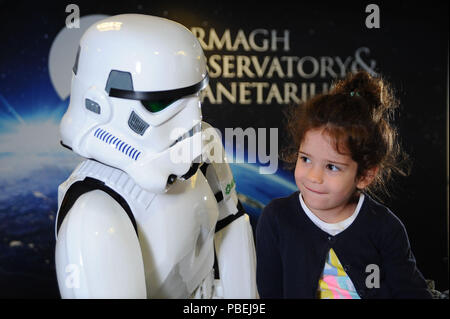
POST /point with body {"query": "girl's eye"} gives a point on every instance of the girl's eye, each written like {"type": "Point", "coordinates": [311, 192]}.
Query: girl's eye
{"type": "Point", "coordinates": [333, 168]}
{"type": "Point", "coordinates": [305, 159]}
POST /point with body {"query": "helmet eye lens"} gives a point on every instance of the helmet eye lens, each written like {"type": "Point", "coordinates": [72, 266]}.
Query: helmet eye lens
{"type": "Point", "coordinates": [156, 106]}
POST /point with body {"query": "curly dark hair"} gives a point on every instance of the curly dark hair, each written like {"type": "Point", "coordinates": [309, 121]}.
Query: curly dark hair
{"type": "Point", "coordinates": [358, 115]}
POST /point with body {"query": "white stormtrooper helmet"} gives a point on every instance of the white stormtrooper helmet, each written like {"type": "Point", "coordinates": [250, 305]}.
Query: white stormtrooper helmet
{"type": "Point", "coordinates": [134, 101]}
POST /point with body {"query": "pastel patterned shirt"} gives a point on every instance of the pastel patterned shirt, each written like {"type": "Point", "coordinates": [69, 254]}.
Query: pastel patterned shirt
{"type": "Point", "coordinates": [334, 283]}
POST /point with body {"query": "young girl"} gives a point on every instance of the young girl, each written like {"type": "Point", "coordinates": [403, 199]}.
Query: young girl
{"type": "Point", "coordinates": [330, 239]}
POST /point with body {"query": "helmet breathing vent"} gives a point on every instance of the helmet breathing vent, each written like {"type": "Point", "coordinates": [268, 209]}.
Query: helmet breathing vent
{"type": "Point", "coordinates": [137, 124]}
{"type": "Point", "coordinates": [119, 144]}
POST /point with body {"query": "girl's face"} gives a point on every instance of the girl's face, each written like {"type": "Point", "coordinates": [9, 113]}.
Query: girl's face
{"type": "Point", "coordinates": [326, 179]}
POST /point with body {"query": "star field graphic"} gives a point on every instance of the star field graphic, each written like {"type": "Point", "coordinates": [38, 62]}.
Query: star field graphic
{"type": "Point", "coordinates": [31, 163]}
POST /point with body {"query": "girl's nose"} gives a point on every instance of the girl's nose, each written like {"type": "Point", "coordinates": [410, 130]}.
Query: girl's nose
{"type": "Point", "coordinates": [315, 175]}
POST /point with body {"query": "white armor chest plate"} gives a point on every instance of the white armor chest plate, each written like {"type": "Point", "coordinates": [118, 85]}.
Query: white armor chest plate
{"type": "Point", "coordinates": [175, 229]}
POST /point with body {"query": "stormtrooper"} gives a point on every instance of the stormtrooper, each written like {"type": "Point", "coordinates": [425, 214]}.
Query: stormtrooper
{"type": "Point", "coordinates": [152, 211]}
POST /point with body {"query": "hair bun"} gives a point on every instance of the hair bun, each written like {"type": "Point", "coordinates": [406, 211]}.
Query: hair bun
{"type": "Point", "coordinates": [376, 92]}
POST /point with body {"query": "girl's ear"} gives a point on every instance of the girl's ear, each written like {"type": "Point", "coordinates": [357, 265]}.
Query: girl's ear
{"type": "Point", "coordinates": [367, 178]}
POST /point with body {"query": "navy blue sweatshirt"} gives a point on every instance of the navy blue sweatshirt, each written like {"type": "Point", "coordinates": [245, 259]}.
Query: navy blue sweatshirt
{"type": "Point", "coordinates": [291, 252]}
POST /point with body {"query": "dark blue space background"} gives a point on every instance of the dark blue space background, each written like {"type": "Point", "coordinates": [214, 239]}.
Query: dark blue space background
{"type": "Point", "coordinates": [411, 49]}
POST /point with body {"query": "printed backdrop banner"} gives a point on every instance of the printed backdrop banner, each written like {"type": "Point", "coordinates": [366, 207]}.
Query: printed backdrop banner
{"type": "Point", "coordinates": [262, 57]}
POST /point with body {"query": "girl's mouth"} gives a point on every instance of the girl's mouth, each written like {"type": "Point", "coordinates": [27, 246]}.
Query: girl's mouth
{"type": "Point", "coordinates": [314, 191]}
